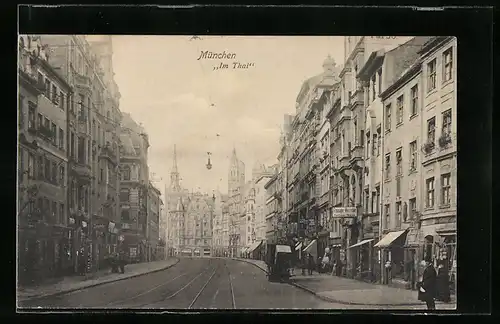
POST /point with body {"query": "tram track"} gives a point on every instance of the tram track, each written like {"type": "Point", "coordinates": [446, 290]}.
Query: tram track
{"type": "Point", "coordinates": [162, 286]}
{"type": "Point", "coordinates": [222, 271]}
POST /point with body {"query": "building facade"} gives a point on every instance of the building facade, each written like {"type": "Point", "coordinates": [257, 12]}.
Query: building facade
{"type": "Point", "coordinates": [439, 160]}
{"type": "Point", "coordinates": [93, 127]}
{"type": "Point", "coordinates": [155, 251]}
{"type": "Point", "coordinates": [134, 189]}
{"type": "Point", "coordinates": [44, 235]}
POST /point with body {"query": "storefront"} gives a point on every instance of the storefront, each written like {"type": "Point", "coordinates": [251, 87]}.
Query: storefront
{"type": "Point", "coordinates": [255, 250]}
{"type": "Point", "coordinates": [363, 257]}
{"type": "Point", "coordinates": [392, 248]}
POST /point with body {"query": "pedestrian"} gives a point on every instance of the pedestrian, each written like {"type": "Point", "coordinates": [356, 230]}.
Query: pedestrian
{"type": "Point", "coordinates": [443, 283]}
{"type": "Point", "coordinates": [427, 285]}
{"type": "Point", "coordinates": [311, 264]}
{"type": "Point", "coordinates": [122, 261]}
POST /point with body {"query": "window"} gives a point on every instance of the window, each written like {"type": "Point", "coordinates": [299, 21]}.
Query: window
{"type": "Point", "coordinates": [379, 80]}
{"type": "Point", "coordinates": [61, 174]}
{"type": "Point", "coordinates": [374, 86]}
{"type": "Point", "coordinates": [125, 215]}
{"type": "Point", "coordinates": [126, 173]}
{"type": "Point", "coordinates": [445, 189]}
{"type": "Point", "coordinates": [61, 213]}
{"type": "Point", "coordinates": [31, 115]}
{"type": "Point", "coordinates": [377, 189]}
{"type": "Point", "coordinates": [124, 194]}
{"type": "Point", "coordinates": [388, 111]}
{"type": "Point", "coordinates": [387, 213]}
{"type": "Point", "coordinates": [40, 78]}
{"type": "Point", "coordinates": [81, 114]}
{"type": "Point", "coordinates": [400, 104]}
{"type": "Point", "coordinates": [431, 75]}
{"type": "Point", "coordinates": [31, 166]}
{"type": "Point", "coordinates": [40, 120]}
{"type": "Point", "coordinates": [21, 165]}
{"type": "Point", "coordinates": [413, 156]}
{"type": "Point", "coordinates": [54, 214]}
{"type": "Point", "coordinates": [446, 130]}
{"type": "Point", "coordinates": [355, 124]}
{"type": "Point", "coordinates": [21, 111]}
{"type": "Point", "coordinates": [413, 208]}
{"type": "Point", "coordinates": [387, 166]}
{"type": "Point", "coordinates": [55, 99]}
{"type": "Point", "coordinates": [374, 202]}
{"type": "Point", "coordinates": [429, 184]}
{"type": "Point", "coordinates": [54, 172]}
{"type": "Point", "coordinates": [447, 65]}
{"type": "Point", "coordinates": [46, 123]}
{"type": "Point", "coordinates": [47, 172]}
{"type": "Point", "coordinates": [367, 199]}
{"type": "Point", "coordinates": [399, 162]}
{"type": "Point", "coordinates": [47, 88]}
{"type": "Point", "coordinates": [368, 144]}
{"type": "Point", "coordinates": [414, 100]}
{"type": "Point", "coordinates": [53, 130]}
{"type": "Point", "coordinates": [61, 139]}
{"type": "Point", "coordinates": [61, 102]}
{"type": "Point", "coordinates": [431, 130]}
{"type": "Point", "coordinates": [398, 214]}
{"type": "Point", "coordinates": [379, 137]}
{"type": "Point", "coordinates": [375, 145]}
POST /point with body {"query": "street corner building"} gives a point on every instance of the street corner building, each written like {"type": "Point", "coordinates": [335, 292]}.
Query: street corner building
{"type": "Point", "coordinates": [72, 161]}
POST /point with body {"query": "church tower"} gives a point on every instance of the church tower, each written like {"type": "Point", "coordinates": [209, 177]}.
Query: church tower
{"type": "Point", "coordinates": [175, 185]}
{"type": "Point", "coordinates": [236, 176]}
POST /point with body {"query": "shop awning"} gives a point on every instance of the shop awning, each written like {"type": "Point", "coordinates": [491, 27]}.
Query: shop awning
{"type": "Point", "coordinates": [312, 248]}
{"type": "Point", "coordinates": [360, 243]}
{"type": "Point", "coordinates": [254, 246]}
{"type": "Point", "coordinates": [387, 240]}
{"type": "Point", "coordinates": [298, 246]}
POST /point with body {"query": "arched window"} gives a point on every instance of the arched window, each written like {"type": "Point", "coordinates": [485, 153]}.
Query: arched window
{"type": "Point", "coordinates": [353, 191]}
{"type": "Point", "coordinates": [126, 172]}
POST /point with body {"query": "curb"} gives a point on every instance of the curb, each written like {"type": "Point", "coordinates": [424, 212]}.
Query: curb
{"type": "Point", "coordinates": [255, 265]}
{"type": "Point", "coordinates": [337, 301]}
{"type": "Point", "coordinates": [62, 292]}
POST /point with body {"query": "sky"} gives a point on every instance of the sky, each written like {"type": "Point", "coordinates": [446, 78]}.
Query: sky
{"type": "Point", "coordinates": [183, 101]}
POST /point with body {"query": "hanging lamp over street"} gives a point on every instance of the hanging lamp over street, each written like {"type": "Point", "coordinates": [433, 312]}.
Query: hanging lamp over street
{"type": "Point", "coordinates": [209, 165]}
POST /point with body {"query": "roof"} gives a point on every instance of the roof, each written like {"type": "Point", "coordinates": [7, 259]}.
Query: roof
{"type": "Point", "coordinates": [400, 60]}
{"type": "Point", "coordinates": [127, 144]}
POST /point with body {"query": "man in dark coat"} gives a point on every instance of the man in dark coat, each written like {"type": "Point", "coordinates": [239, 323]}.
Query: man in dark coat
{"type": "Point", "coordinates": [427, 288]}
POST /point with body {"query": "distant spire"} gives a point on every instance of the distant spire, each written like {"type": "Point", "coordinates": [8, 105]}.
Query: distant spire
{"type": "Point", "coordinates": [174, 174]}
{"type": "Point", "coordinates": [174, 166]}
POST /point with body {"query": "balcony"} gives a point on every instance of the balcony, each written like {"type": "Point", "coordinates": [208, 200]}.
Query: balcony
{"type": "Point", "coordinates": [82, 170]}
{"type": "Point", "coordinates": [324, 199]}
{"type": "Point", "coordinates": [357, 98]}
{"type": "Point", "coordinates": [46, 133]}
{"type": "Point", "coordinates": [82, 81]}
{"type": "Point", "coordinates": [356, 152]}
{"type": "Point", "coordinates": [107, 153]}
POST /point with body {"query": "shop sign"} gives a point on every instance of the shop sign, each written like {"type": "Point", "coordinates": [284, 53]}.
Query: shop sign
{"type": "Point", "coordinates": [344, 212]}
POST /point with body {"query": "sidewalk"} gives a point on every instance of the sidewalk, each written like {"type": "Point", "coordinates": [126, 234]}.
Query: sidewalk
{"type": "Point", "coordinates": [353, 292]}
{"type": "Point", "coordinates": [347, 291]}
{"type": "Point", "coordinates": [73, 283]}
